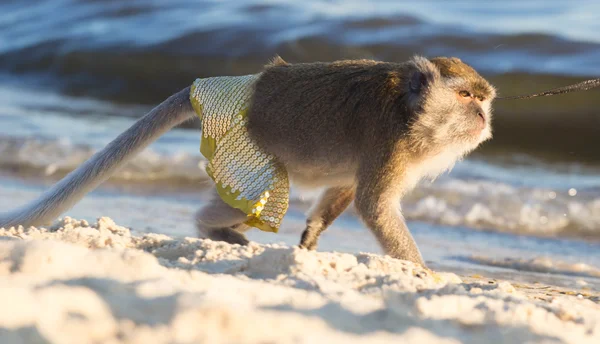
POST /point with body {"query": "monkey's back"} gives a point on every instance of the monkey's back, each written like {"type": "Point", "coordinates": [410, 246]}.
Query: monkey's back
{"type": "Point", "coordinates": [322, 113]}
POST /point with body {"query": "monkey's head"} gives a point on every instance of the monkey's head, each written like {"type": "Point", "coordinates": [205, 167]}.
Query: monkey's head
{"type": "Point", "coordinates": [451, 104]}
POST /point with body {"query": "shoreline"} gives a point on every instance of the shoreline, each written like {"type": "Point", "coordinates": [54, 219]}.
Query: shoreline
{"type": "Point", "coordinates": [98, 282]}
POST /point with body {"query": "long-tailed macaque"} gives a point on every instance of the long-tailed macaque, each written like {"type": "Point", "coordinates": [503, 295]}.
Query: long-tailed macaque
{"type": "Point", "coordinates": [366, 131]}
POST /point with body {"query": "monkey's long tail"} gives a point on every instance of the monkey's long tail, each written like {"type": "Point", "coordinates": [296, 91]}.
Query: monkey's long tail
{"type": "Point", "coordinates": [68, 191]}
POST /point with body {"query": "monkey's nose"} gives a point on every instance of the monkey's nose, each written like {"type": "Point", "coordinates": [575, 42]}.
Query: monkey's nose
{"type": "Point", "coordinates": [480, 114]}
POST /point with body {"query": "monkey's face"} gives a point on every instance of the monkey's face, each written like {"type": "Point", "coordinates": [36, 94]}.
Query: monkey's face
{"type": "Point", "coordinates": [470, 117]}
{"type": "Point", "coordinates": [455, 108]}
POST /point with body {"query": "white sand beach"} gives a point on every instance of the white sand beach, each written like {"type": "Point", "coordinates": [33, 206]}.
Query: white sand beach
{"type": "Point", "coordinates": [97, 283]}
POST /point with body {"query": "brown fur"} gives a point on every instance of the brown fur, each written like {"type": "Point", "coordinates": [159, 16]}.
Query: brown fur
{"type": "Point", "coordinates": [369, 131]}
{"type": "Point", "coordinates": [305, 113]}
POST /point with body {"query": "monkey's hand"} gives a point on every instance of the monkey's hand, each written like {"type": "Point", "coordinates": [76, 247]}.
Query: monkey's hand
{"type": "Point", "coordinates": [393, 235]}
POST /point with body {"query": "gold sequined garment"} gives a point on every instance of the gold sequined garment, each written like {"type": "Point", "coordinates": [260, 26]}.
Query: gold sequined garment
{"type": "Point", "coordinates": [246, 177]}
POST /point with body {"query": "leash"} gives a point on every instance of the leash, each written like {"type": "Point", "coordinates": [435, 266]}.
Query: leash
{"type": "Point", "coordinates": [582, 86]}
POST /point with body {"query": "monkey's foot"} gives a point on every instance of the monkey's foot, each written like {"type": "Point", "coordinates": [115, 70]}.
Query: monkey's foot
{"type": "Point", "coordinates": [228, 235]}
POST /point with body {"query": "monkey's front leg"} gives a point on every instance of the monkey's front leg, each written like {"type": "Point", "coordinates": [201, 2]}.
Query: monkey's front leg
{"type": "Point", "coordinates": [378, 202]}
{"type": "Point", "coordinates": [331, 204]}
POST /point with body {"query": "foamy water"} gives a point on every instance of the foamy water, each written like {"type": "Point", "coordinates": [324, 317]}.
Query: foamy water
{"type": "Point", "coordinates": [471, 195]}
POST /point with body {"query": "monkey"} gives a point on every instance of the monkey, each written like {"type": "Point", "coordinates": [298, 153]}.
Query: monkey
{"type": "Point", "coordinates": [366, 131]}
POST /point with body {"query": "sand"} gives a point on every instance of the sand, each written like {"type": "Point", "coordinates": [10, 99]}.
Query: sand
{"type": "Point", "coordinates": [97, 283]}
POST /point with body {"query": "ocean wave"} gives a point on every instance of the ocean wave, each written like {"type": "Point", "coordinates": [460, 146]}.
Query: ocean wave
{"type": "Point", "coordinates": [454, 200]}
{"type": "Point", "coordinates": [55, 158]}
{"type": "Point", "coordinates": [539, 264]}
{"type": "Point", "coordinates": [150, 49]}
{"type": "Point", "coordinates": [490, 205]}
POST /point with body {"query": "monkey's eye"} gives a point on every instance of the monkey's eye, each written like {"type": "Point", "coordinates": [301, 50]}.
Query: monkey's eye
{"type": "Point", "coordinates": [465, 94]}
{"type": "Point", "coordinates": [480, 98]}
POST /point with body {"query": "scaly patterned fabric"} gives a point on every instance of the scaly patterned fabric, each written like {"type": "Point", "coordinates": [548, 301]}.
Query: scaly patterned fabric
{"type": "Point", "coordinates": [246, 177]}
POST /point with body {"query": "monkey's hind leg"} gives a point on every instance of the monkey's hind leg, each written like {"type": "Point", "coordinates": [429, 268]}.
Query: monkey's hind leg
{"type": "Point", "coordinates": [220, 222]}
{"type": "Point", "coordinates": [332, 204]}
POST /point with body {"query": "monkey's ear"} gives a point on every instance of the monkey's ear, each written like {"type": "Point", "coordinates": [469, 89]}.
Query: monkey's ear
{"type": "Point", "coordinates": [417, 82]}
